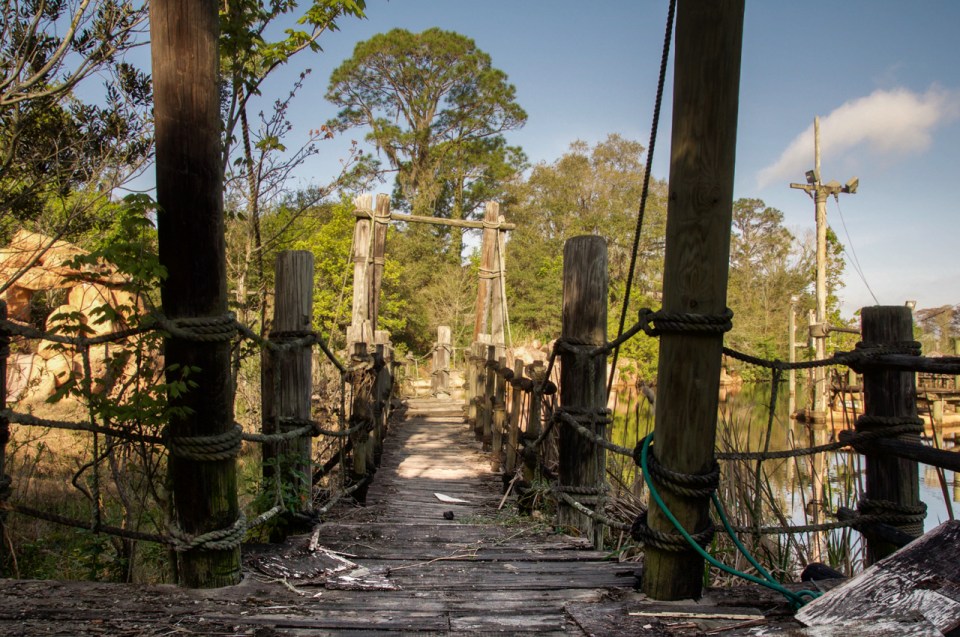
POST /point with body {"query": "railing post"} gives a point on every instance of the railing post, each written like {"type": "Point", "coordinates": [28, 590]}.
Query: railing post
{"type": "Point", "coordinates": [287, 380]}
{"type": "Point", "coordinates": [516, 404]}
{"type": "Point", "coordinates": [4, 423]}
{"type": "Point", "coordinates": [499, 404]}
{"type": "Point", "coordinates": [441, 362]}
{"type": "Point", "coordinates": [708, 39]}
{"type": "Point", "coordinates": [890, 397]}
{"type": "Point", "coordinates": [470, 398]}
{"type": "Point", "coordinates": [479, 383]}
{"type": "Point", "coordinates": [489, 387]}
{"type": "Point", "coordinates": [192, 249]}
{"type": "Point", "coordinates": [361, 414]}
{"type": "Point", "coordinates": [583, 379]}
{"type": "Point", "coordinates": [383, 392]}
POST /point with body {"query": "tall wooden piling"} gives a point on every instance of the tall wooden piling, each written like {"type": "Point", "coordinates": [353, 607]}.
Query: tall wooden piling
{"type": "Point", "coordinates": [706, 87]}
{"type": "Point", "coordinates": [185, 59]}
{"type": "Point", "coordinates": [287, 381]}
{"type": "Point", "coordinates": [513, 428]}
{"type": "Point", "coordinates": [361, 329]}
{"type": "Point", "coordinates": [488, 261]}
{"type": "Point", "coordinates": [583, 378]}
{"type": "Point", "coordinates": [489, 390]}
{"type": "Point", "coordinates": [499, 415]}
{"type": "Point", "coordinates": [441, 362]}
{"type": "Point", "coordinates": [889, 395]}
{"type": "Point", "coordinates": [377, 261]}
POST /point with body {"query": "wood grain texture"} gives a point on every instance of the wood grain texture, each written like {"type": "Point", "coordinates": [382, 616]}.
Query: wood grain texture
{"type": "Point", "coordinates": [707, 78]}
{"type": "Point", "coordinates": [889, 393]}
{"type": "Point", "coordinates": [583, 379]}
{"type": "Point", "coordinates": [185, 73]}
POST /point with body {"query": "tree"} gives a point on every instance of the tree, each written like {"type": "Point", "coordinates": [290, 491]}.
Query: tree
{"type": "Point", "coordinates": [767, 267]}
{"type": "Point", "coordinates": [60, 157]}
{"type": "Point", "coordinates": [257, 169]}
{"type": "Point", "coordinates": [436, 109]}
{"type": "Point", "coordinates": [589, 190]}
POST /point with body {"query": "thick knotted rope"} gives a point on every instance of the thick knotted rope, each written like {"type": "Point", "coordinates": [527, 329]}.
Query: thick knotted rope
{"type": "Point", "coordinates": [656, 323]}
{"type": "Point", "coordinates": [202, 329]}
{"type": "Point", "coordinates": [216, 540]}
{"type": "Point", "coordinates": [906, 517]}
{"type": "Point", "coordinates": [222, 446]}
{"type": "Point", "coordinates": [672, 542]}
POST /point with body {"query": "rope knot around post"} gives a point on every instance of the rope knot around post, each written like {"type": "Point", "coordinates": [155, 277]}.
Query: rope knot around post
{"type": "Point", "coordinates": [201, 329]}
{"type": "Point", "coordinates": [290, 339]}
{"type": "Point", "coordinates": [660, 322]}
{"type": "Point", "coordinates": [583, 418]}
{"type": "Point", "coordinates": [212, 448]}
{"type": "Point", "coordinates": [906, 517]}
{"type": "Point", "coordinates": [217, 540]}
{"type": "Point", "coordinates": [672, 542]}
{"type": "Point", "coordinates": [690, 485]}
{"type": "Point", "coordinates": [910, 348]}
{"type": "Point", "coordinates": [888, 426]}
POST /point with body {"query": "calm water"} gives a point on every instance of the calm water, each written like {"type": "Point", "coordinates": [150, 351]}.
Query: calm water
{"type": "Point", "coordinates": [743, 424]}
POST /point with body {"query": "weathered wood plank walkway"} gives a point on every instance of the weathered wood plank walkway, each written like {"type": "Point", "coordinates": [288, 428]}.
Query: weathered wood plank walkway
{"type": "Point", "coordinates": [395, 566]}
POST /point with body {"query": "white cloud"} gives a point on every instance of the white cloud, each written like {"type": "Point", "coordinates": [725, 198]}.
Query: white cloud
{"type": "Point", "coordinates": [888, 122]}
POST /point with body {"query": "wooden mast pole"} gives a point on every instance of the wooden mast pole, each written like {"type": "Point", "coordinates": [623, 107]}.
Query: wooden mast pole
{"type": "Point", "coordinates": [185, 59]}
{"type": "Point", "coordinates": [706, 91]}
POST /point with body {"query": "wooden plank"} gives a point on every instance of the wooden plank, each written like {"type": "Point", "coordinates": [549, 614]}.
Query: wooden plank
{"type": "Point", "coordinates": [923, 577]}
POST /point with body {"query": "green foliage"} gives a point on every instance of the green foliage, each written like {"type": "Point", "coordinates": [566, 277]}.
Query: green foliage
{"type": "Point", "coordinates": [53, 145]}
{"type": "Point", "coordinates": [767, 267]}
{"type": "Point", "coordinates": [436, 108]}
{"type": "Point", "coordinates": [589, 190]}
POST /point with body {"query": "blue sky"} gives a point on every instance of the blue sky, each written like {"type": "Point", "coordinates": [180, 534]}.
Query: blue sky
{"type": "Point", "coordinates": [882, 75]}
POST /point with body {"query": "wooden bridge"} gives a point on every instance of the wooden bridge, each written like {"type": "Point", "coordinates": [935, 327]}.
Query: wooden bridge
{"type": "Point", "coordinates": [399, 565]}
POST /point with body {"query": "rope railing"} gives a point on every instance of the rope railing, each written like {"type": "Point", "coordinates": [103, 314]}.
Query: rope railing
{"type": "Point", "coordinates": [209, 448]}
{"type": "Point", "coordinates": [899, 356]}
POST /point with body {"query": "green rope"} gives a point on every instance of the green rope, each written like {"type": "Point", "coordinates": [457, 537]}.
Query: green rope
{"type": "Point", "coordinates": [796, 599]}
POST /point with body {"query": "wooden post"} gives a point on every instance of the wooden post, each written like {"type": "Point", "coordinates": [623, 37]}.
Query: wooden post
{"type": "Point", "coordinates": [360, 328]}
{"type": "Point", "coordinates": [791, 357]}
{"type": "Point", "coordinates": [361, 414]}
{"type": "Point", "coordinates": [287, 381]}
{"type": "Point", "coordinates": [516, 404]}
{"type": "Point", "coordinates": [4, 423]}
{"type": "Point", "coordinates": [538, 373]}
{"type": "Point", "coordinates": [488, 260]}
{"type": "Point", "coordinates": [441, 362]}
{"type": "Point", "coordinates": [499, 404]}
{"type": "Point", "coordinates": [583, 377]}
{"type": "Point", "coordinates": [706, 87]}
{"type": "Point", "coordinates": [489, 388]}
{"type": "Point", "coordinates": [470, 403]}
{"type": "Point", "coordinates": [480, 383]}
{"type": "Point", "coordinates": [383, 392]}
{"type": "Point", "coordinates": [381, 219]}
{"type": "Point", "coordinates": [185, 58]}
{"type": "Point", "coordinates": [889, 394]}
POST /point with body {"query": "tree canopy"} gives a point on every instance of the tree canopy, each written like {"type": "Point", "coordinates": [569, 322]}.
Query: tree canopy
{"type": "Point", "coordinates": [433, 103]}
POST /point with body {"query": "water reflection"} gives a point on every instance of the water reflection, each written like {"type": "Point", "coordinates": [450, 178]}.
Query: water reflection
{"type": "Point", "coordinates": [805, 490]}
